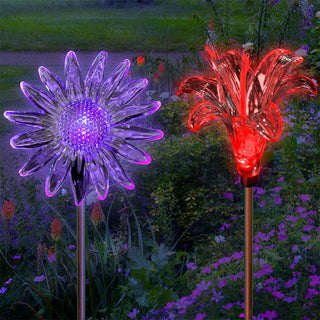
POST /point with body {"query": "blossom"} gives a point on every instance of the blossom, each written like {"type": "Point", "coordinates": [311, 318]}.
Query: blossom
{"type": "Point", "coordinates": [132, 314]}
{"type": "Point", "coordinates": [200, 316]}
{"type": "Point", "coordinates": [191, 266]}
{"type": "Point", "coordinates": [39, 278]}
{"type": "Point", "coordinates": [140, 61]}
{"type": "Point", "coordinates": [52, 254]}
{"type": "Point", "coordinates": [228, 195]}
{"type": "Point", "coordinates": [278, 200]}
{"type": "Point", "coordinates": [3, 290]}
{"type": "Point", "coordinates": [96, 213]}
{"type": "Point", "coordinates": [206, 269]}
{"type": "Point", "coordinates": [304, 197]}
{"type": "Point", "coordinates": [8, 209]}
{"type": "Point", "coordinates": [56, 228]}
{"type": "Point", "coordinates": [219, 238]}
{"type": "Point", "coordinates": [245, 100]}
{"type": "Point", "coordinates": [317, 14]}
{"type": "Point", "coordinates": [83, 127]}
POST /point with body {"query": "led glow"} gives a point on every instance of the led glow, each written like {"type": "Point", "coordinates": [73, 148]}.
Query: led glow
{"type": "Point", "coordinates": [245, 100]}
{"type": "Point", "coordinates": [84, 126]}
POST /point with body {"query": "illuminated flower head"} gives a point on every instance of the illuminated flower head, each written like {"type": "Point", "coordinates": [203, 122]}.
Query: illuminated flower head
{"type": "Point", "coordinates": [8, 209]}
{"type": "Point", "coordinates": [56, 228]}
{"type": "Point", "coordinates": [84, 126]}
{"type": "Point", "coordinates": [245, 100]}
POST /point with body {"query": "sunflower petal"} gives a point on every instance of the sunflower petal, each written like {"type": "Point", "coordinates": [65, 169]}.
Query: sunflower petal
{"type": "Point", "coordinates": [127, 93]}
{"type": "Point", "coordinates": [40, 159]}
{"type": "Point", "coordinates": [115, 170]}
{"type": "Point", "coordinates": [268, 122]}
{"type": "Point", "coordinates": [79, 180]}
{"type": "Point", "coordinates": [57, 174]}
{"type": "Point", "coordinates": [100, 178]}
{"type": "Point", "coordinates": [32, 139]}
{"type": "Point", "coordinates": [95, 75]}
{"type": "Point", "coordinates": [113, 81]}
{"type": "Point", "coordinates": [53, 84]}
{"type": "Point", "coordinates": [128, 151]}
{"type": "Point", "coordinates": [74, 81]}
{"type": "Point", "coordinates": [38, 98]}
{"type": "Point", "coordinates": [134, 111]}
{"type": "Point", "coordinates": [28, 118]}
{"type": "Point", "coordinates": [201, 114]}
{"type": "Point", "coordinates": [128, 132]}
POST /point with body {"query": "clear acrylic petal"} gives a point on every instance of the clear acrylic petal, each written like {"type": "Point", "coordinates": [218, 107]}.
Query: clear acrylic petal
{"type": "Point", "coordinates": [57, 174]}
{"type": "Point", "coordinates": [134, 111]}
{"type": "Point", "coordinates": [38, 98]}
{"type": "Point", "coordinates": [40, 159]}
{"type": "Point", "coordinates": [115, 169]}
{"type": "Point", "coordinates": [99, 177]}
{"type": "Point", "coordinates": [28, 118]}
{"type": "Point", "coordinates": [128, 151]}
{"type": "Point", "coordinates": [74, 81]}
{"type": "Point", "coordinates": [32, 139]}
{"type": "Point", "coordinates": [79, 178]}
{"type": "Point", "coordinates": [53, 84]}
{"type": "Point", "coordinates": [113, 81]}
{"type": "Point", "coordinates": [268, 122]}
{"type": "Point", "coordinates": [202, 114]}
{"type": "Point", "coordinates": [136, 133]}
{"type": "Point", "coordinates": [95, 75]}
{"type": "Point", "coordinates": [126, 94]}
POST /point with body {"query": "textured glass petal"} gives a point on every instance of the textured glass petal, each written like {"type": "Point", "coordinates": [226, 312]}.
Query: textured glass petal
{"type": "Point", "coordinates": [115, 170]}
{"type": "Point", "coordinates": [40, 159]}
{"type": "Point", "coordinates": [99, 177]}
{"type": "Point", "coordinates": [202, 114]}
{"type": "Point", "coordinates": [74, 81]}
{"type": "Point", "coordinates": [28, 118]}
{"type": "Point", "coordinates": [95, 75]}
{"type": "Point", "coordinates": [128, 151]}
{"type": "Point", "coordinates": [38, 98]}
{"type": "Point", "coordinates": [113, 81]}
{"type": "Point", "coordinates": [135, 111]}
{"type": "Point", "coordinates": [32, 139]}
{"type": "Point", "coordinates": [268, 122]}
{"type": "Point", "coordinates": [126, 94]}
{"type": "Point", "coordinates": [293, 84]}
{"type": "Point", "coordinates": [79, 180]}
{"type": "Point", "coordinates": [57, 174]}
{"type": "Point", "coordinates": [53, 84]}
{"type": "Point", "coordinates": [136, 133]}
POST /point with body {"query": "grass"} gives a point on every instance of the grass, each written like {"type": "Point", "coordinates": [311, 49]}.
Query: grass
{"type": "Point", "coordinates": [88, 25]}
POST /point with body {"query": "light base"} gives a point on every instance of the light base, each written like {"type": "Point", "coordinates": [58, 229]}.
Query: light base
{"type": "Point", "coordinates": [249, 182]}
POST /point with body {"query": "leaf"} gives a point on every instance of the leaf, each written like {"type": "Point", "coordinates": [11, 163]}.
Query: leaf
{"type": "Point", "coordinates": [160, 257]}
{"type": "Point", "coordinates": [137, 260]}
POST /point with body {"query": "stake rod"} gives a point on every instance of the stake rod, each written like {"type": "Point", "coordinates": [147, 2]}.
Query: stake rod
{"type": "Point", "coordinates": [248, 253]}
{"type": "Point", "coordinates": [81, 263]}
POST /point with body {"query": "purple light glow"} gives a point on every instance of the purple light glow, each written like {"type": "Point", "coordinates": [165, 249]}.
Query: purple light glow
{"type": "Point", "coordinates": [84, 127]}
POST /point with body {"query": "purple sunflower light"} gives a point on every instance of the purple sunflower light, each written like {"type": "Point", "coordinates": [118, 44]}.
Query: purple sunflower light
{"type": "Point", "coordinates": [84, 126]}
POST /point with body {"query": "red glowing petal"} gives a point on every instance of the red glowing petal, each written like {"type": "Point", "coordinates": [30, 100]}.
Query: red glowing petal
{"type": "Point", "coordinates": [294, 84]}
{"type": "Point", "coordinates": [201, 114]}
{"type": "Point", "coordinates": [268, 122]}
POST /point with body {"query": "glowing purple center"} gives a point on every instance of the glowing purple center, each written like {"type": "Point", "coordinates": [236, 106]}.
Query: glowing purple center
{"type": "Point", "coordinates": [83, 125]}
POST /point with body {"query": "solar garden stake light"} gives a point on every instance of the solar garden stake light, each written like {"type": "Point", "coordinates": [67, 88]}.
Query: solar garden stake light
{"type": "Point", "coordinates": [83, 127]}
{"type": "Point", "coordinates": [245, 100]}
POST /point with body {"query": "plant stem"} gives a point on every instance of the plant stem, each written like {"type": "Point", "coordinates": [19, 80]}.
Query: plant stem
{"type": "Point", "coordinates": [81, 263]}
{"type": "Point", "coordinates": [259, 28]}
{"type": "Point", "coordinates": [248, 253]}
{"type": "Point", "coordinates": [284, 28]}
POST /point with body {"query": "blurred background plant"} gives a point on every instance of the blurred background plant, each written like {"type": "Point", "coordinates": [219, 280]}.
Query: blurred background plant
{"type": "Point", "coordinates": [172, 248]}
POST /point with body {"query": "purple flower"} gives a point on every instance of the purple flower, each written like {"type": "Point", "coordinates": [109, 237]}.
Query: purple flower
{"type": "Point", "coordinates": [16, 257]}
{"type": "Point", "coordinates": [169, 305]}
{"type": "Point", "coordinates": [224, 259]}
{"type": "Point", "coordinates": [228, 306]}
{"type": "Point", "coordinates": [270, 315]}
{"type": "Point", "coordinates": [200, 316]}
{"type": "Point", "coordinates": [276, 189]}
{"type": "Point", "coordinates": [278, 200]}
{"type": "Point", "coordinates": [225, 226]}
{"type": "Point", "coordinates": [305, 238]}
{"type": "Point", "coordinates": [300, 209]}
{"type": "Point", "coordinates": [295, 248]}
{"type": "Point", "coordinates": [259, 190]}
{"type": "Point", "coordinates": [191, 266]}
{"type": "Point", "coordinates": [52, 258]}
{"type": "Point", "coordinates": [311, 293]}
{"type": "Point", "coordinates": [280, 179]}
{"type": "Point", "coordinates": [3, 290]}
{"type": "Point", "coordinates": [222, 283]}
{"type": "Point", "coordinates": [228, 195]}
{"type": "Point", "coordinates": [297, 258]}
{"type": "Point", "coordinates": [304, 197]}
{"type": "Point", "coordinates": [262, 203]}
{"type": "Point", "coordinates": [272, 246]}
{"type": "Point", "coordinates": [203, 285]}
{"type": "Point", "coordinates": [273, 2]}
{"type": "Point", "coordinates": [7, 282]}
{"type": "Point", "coordinates": [293, 219]}
{"type": "Point", "coordinates": [72, 247]}
{"type": "Point", "coordinates": [315, 280]}
{"type": "Point", "coordinates": [307, 228]}
{"type": "Point", "coordinates": [39, 278]}
{"type": "Point", "coordinates": [132, 314]}
{"type": "Point", "coordinates": [237, 255]}
{"type": "Point", "coordinates": [216, 296]}
{"type": "Point", "coordinates": [206, 269]}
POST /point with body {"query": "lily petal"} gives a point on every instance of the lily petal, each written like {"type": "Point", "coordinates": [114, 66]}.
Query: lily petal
{"type": "Point", "coordinates": [128, 132]}
{"type": "Point", "coordinates": [40, 159]}
{"type": "Point", "coordinates": [115, 169]}
{"type": "Point", "coordinates": [32, 139]}
{"type": "Point", "coordinates": [134, 111]}
{"type": "Point", "coordinates": [57, 174]}
{"type": "Point", "coordinates": [95, 75]}
{"type": "Point", "coordinates": [38, 98]}
{"type": "Point", "coordinates": [74, 81]}
{"type": "Point", "coordinates": [53, 84]}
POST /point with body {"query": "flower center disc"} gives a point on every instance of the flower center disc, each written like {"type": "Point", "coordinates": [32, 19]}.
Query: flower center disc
{"type": "Point", "coordinates": [83, 125]}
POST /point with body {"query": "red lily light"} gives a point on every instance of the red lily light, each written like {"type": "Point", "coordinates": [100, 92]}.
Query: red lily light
{"type": "Point", "coordinates": [245, 99]}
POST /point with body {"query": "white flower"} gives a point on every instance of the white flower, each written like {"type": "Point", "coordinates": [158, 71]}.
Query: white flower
{"type": "Point", "coordinates": [301, 52]}
{"type": "Point", "coordinates": [219, 239]}
{"type": "Point", "coordinates": [247, 46]}
{"type": "Point", "coordinates": [318, 14]}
